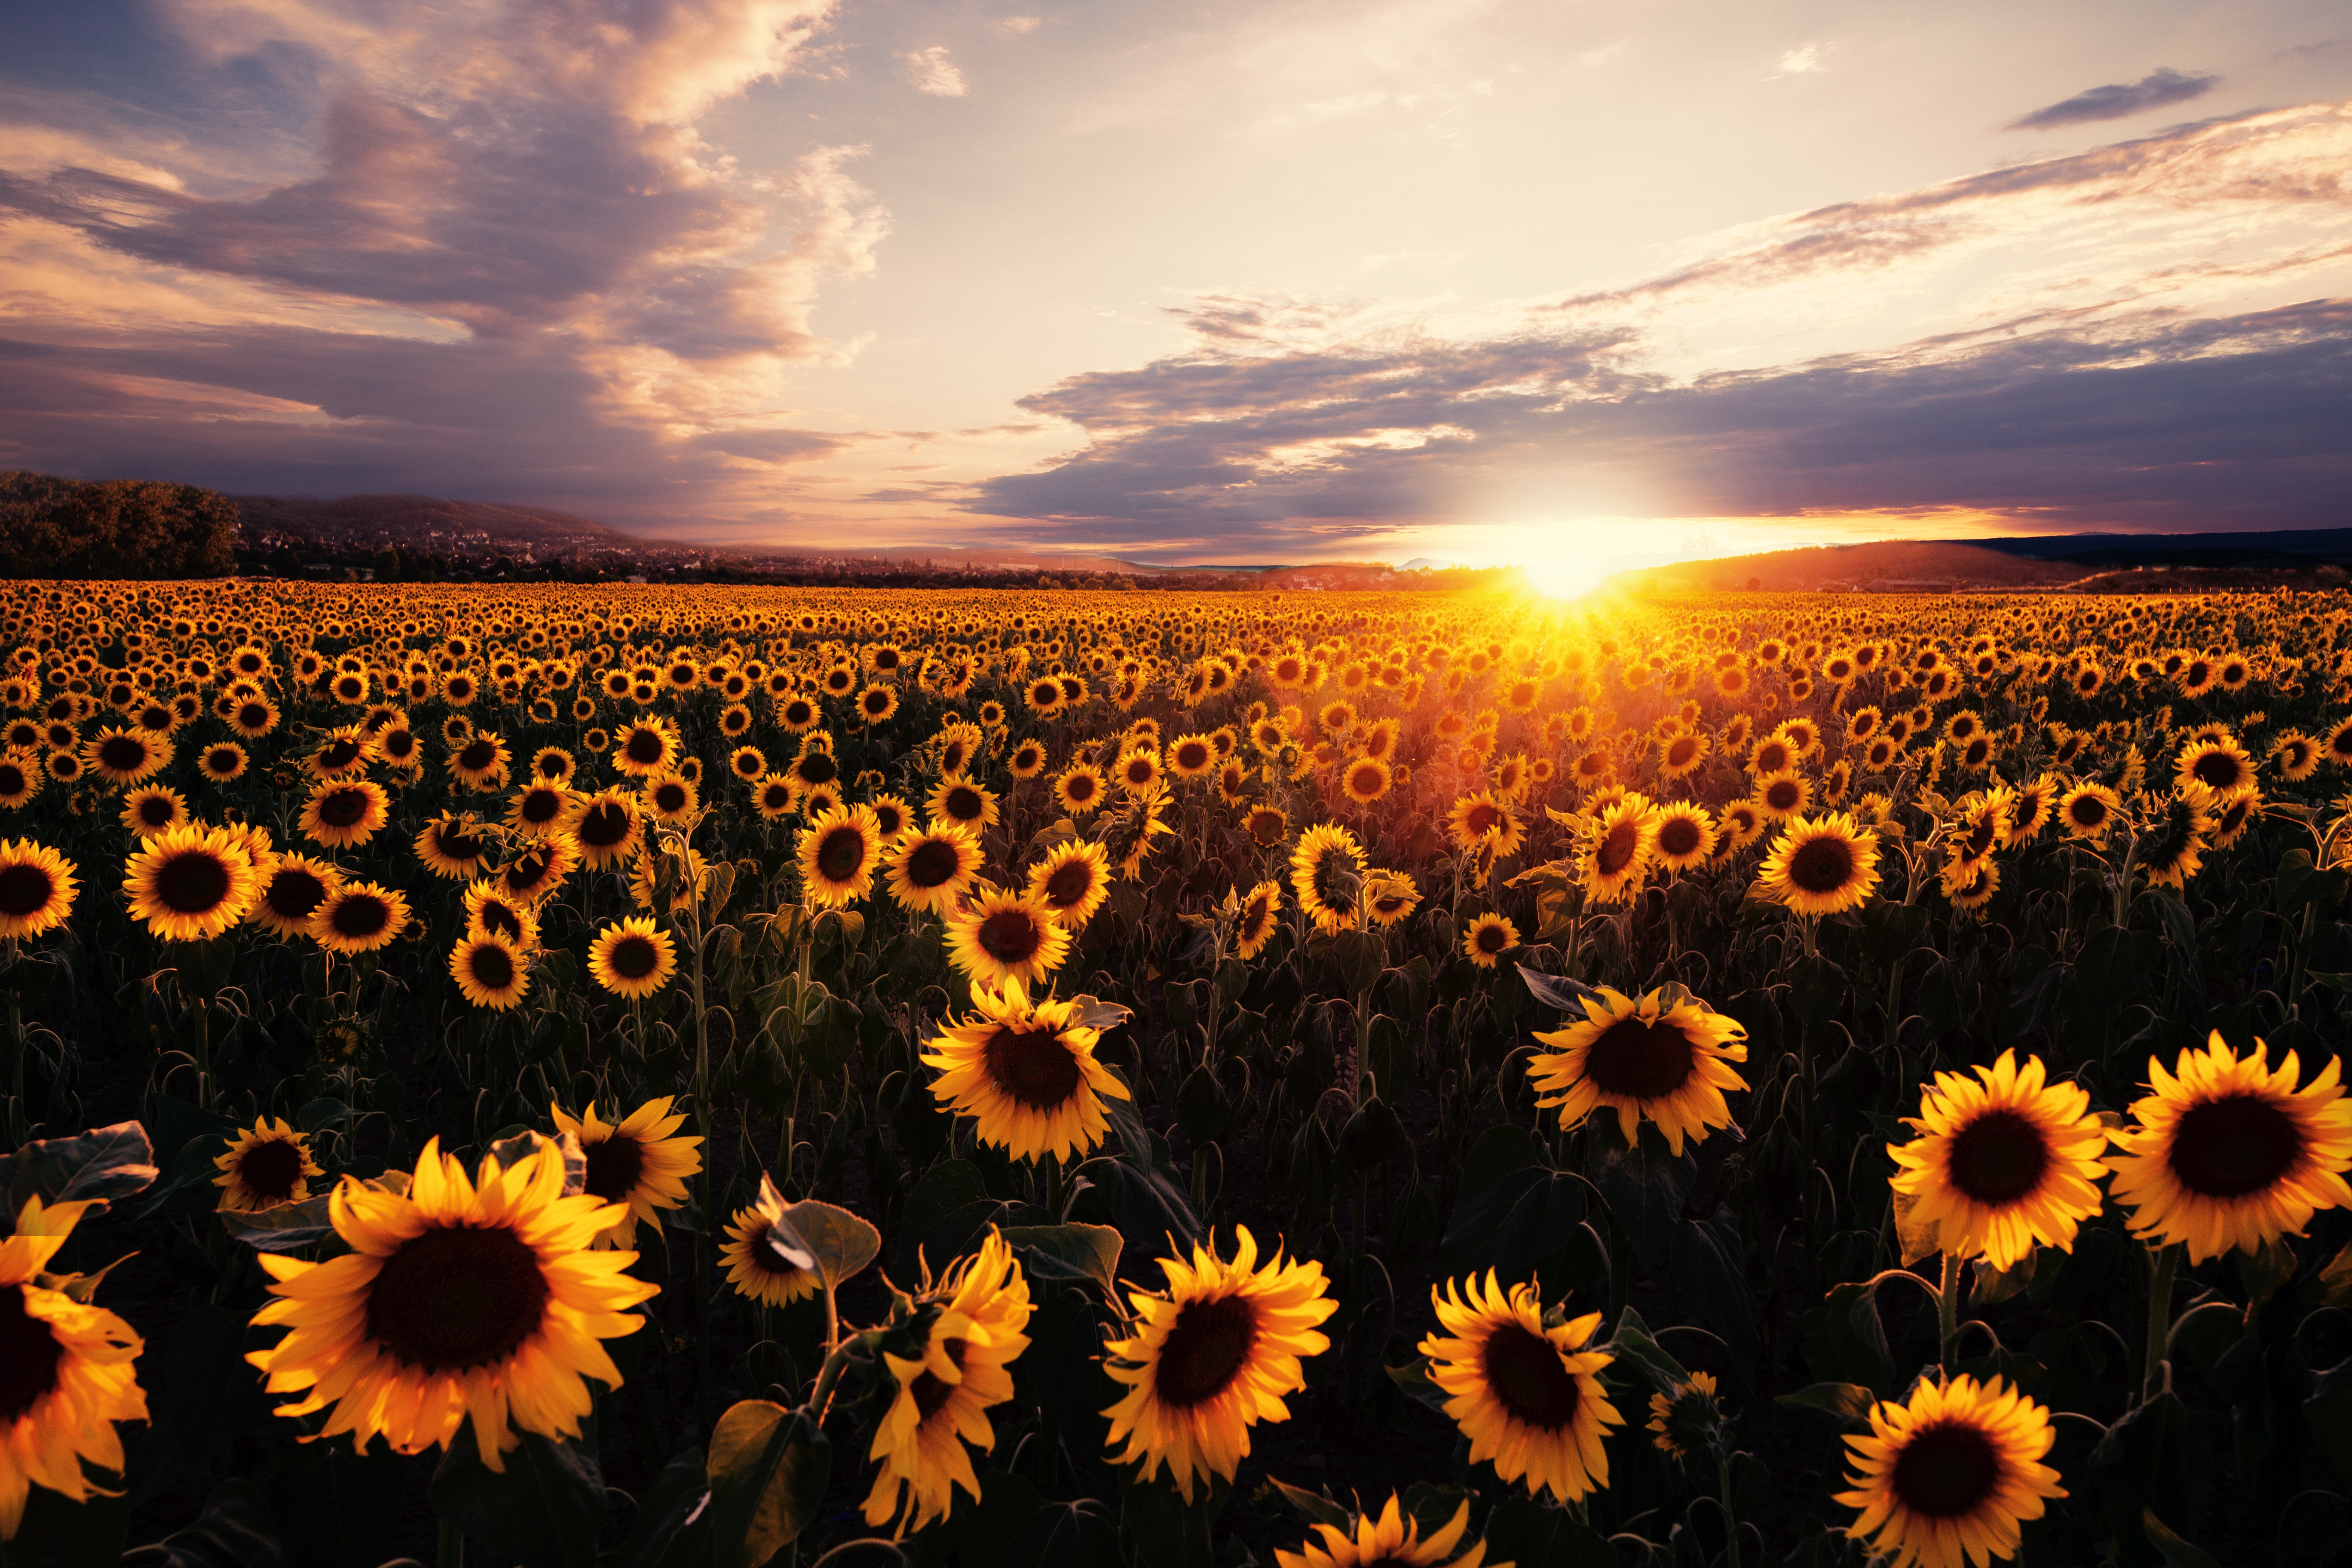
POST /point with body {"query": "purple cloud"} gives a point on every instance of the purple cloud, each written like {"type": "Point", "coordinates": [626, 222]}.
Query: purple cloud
{"type": "Point", "coordinates": [2118, 101]}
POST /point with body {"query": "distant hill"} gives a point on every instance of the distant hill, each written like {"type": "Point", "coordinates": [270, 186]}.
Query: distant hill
{"type": "Point", "coordinates": [2092, 563]}
{"type": "Point", "coordinates": [1927, 565]}
{"type": "Point", "coordinates": [419, 523]}
{"type": "Point", "coordinates": [2278, 547]}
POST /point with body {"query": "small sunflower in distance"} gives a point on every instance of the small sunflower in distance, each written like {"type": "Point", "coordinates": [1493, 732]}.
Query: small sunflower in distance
{"type": "Point", "coordinates": [1002, 936]}
{"type": "Point", "coordinates": [1688, 1421]}
{"type": "Point", "coordinates": [919, 1444]}
{"type": "Point", "coordinates": [760, 1264]}
{"type": "Point", "coordinates": [1822, 865]}
{"type": "Point", "coordinates": [1945, 1479]}
{"type": "Point", "coordinates": [2005, 1162]}
{"type": "Point", "coordinates": [1524, 1389]}
{"type": "Point", "coordinates": [459, 1298]}
{"type": "Point", "coordinates": [1026, 1073]}
{"type": "Point", "coordinates": [1210, 1357]}
{"type": "Point", "coordinates": [2227, 1152]}
{"type": "Point", "coordinates": [632, 958]}
{"type": "Point", "coordinates": [1393, 1540]}
{"type": "Point", "coordinates": [266, 1165]}
{"type": "Point", "coordinates": [638, 1161]}
{"type": "Point", "coordinates": [1662, 1059]}
{"type": "Point", "coordinates": [37, 889]}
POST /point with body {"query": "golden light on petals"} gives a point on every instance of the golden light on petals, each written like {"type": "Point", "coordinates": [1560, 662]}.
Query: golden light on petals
{"type": "Point", "coordinates": [1661, 1058]}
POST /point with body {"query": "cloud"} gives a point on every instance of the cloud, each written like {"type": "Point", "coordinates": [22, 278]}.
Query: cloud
{"type": "Point", "coordinates": [1015, 27]}
{"type": "Point", "coordinates": [933, 72]}
{"type": "Point", "coordinates": [2117, 101]}
{"type": "Point", "coordinates": [1805, 59]}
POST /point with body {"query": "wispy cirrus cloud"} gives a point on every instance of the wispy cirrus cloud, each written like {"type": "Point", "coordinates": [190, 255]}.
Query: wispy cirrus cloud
{"type": "Point", "coordinates": [2160, 89]}
{"type": "Point", "coordinates": [934, 71]}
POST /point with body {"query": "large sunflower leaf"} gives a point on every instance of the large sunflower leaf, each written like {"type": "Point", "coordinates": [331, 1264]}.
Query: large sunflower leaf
{"type": "Point", "coordinates": [104, 1164]}
{"type": "Point", "coordinates": [767, 1470]}
{"type": "Point", "coordinates": [841, 1244]}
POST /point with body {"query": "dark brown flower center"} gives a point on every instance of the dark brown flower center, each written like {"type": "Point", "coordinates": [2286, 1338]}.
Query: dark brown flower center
{"type": "Point", "coordinates": [271, 1169]}
{"type": "Point", "coordinates": [294, 893]}
{"type": "Point", "coordinates": [1033, 1067]}
{"type": "Point", "coordinates": [542, 806]}
{"type": "Point", "coordinates": [1493, 939]}
{"type": "Point", "coordinates": [1070, 882]}
{"type": "Point", "coordinates": [1641, 1060]}
{"type": "Point", "coordinates": [964, 804]}
{"type": "Point", "coordinates": [339, 753]}
{"type": "Point", "coordinates": [493, 967]}
{"type": "Point", "coordinates": [1946, 1470]}
{"type": "Point", "coordinates": [29, 1354]}
{"type": "Point", "coordinates": [2217, 769]}
{"type": "Point", "coordinates": [477, 756]}
{"type": "Point", "coordinates": [1480, 820]}
{"type": "Point", "coordinates": [840, 854]}
{"type": "Point", "coordinates": [1783, 795]}
{"type": "Point", "coordinates": [1678, 836]}
{"type": "Point", "coordinates": [1617, 846]}
{"type": "Point", "coordinates": [1010, 936]}
{"type": "Point", "coordinates": [457, 844]}
{"type": "Point", "coordinates": [1680, 753]}
{"type": "Point", "coordinates": [1528, 1378]}
{"type": "Point", "coordinates": [192, 882]}
{"type": "Point", "coordinates": [931, 1393]}
{"type": "Point", "coordinates": [24, 889]}
{"type": "Point", "coordinates": [613, 1167]}
{"type": "Point", "coordinates": [342, 807]}
{"type": "Point", "coordinates": [156, 811]}
{"type": "Point", "coordinates": [123, 753]}
{"type": "Point", "coordinates": [604, 826]}
{"type": "Point", "coordinates": [643, 747]}
{"type": "Point", "coordinates": [1206, 1348]}
{"type": "Point", "coordinates": [360, 916]}
{"type": "Point", "coordinates": [2232, 1147]}
{"type": "Point", "coordinates": [1998, 1157]}
{"type": "Point", "coordinates": [634, 957]}
{"type": "Point", "coordinates": [1823, 864]}
{"type": "Point", "coordinates": [458, 1296]}
{"type": "Point", "coordinates": [818, 767]}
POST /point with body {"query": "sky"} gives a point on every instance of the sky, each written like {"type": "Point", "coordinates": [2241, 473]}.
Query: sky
{"type": "Point", "coordinates": [1280, 280]}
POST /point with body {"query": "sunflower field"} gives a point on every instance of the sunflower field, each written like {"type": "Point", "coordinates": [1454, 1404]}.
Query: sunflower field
{"type": "Point", "coordinates": [660, 1076]}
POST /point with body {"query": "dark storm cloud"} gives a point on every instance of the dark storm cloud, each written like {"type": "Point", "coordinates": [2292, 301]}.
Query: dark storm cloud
{"type": "Point", "coordinates": [2117, 101]}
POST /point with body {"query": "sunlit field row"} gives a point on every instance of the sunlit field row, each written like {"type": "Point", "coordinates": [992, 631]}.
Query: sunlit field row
{"type": "Point", "coordinates": [664, 1077]}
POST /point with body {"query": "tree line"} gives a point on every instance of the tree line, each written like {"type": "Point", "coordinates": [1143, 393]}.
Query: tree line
{"type": "Point", "coordinates": [52, 527]}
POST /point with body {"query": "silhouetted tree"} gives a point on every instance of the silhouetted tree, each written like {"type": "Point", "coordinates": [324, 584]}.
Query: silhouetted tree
{"type": "Point", "coordinates": [51, 527]}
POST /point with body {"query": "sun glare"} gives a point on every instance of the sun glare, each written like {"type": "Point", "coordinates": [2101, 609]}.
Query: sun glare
{"type": "Point", "coordinates": [1569, 570]}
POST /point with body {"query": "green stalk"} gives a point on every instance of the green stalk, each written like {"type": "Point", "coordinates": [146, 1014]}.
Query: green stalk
{"type": "Point", "coordinates": [2165, 1261]}
{"type": "Point", "coordinates": [1947, 1313]}
{"type": "Point", "coordinates": [451, 1552]}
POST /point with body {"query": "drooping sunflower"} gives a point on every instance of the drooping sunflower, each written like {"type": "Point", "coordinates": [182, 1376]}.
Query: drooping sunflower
{"type": "Point", "coordinates": [2004, 1161]}
{"type": "Point", "coordinates": [1390, 897]}
{"type": "Point", "coordinates": [929, 870]}
{"type": "Point", "coordinates": [37, 889]}
{"type": "Point", "coordinates": [1258, 919]}
{"type": "Point", "coordinates": [839, 852]}
{"type": "Point", "coordinates": [1393, 1540]}
{"type": "Point", "coordinates": [1945, 1479]}
{"type": "Point", "coordinates": [1982, 821]}
{"type": "Point", "coordinates": [632, 958]}
{"type": "Point", "coordinates": [1003, 935]}
{"type": "Point", "coordinates": [1527, 1394]}
{"type": "Point", "coordinates": [1071, 881]}
{"type": "Point", "coordinates": [358, 917]}
{"type": "Point", "coordinates": [533, 873]}
{"type": "Point", "coordinates": [1683, 1423]}
{"type": "Point", "coordinates": [638, 1161]}
{"type": "Point", "coordinates": [1326, 874]}
{"type": "Point", "coordinates": [489, 970]}
{"type": "Point", "coordinates": [1616, 851]}
{"type": "Point", "coordinates": [266, 1165]}
{"type": "Point", "coordinates": [191, 883]}
{"type": "Point", "coordinates": [150, 808]}
{"type": "Point", "coordinates": [2229, 1152]}
{"type": "Point", "coordinates": [1026, 1073]}
{"type": "Point", "coordinates": [344, 814]}
{"type": "Point", "coordinates": [459, 1298]}
{"type": "Point", "coordinates": [453, 844]}
{"type": "Point", "coordinates": [66, 1376]}
{"type": "Point", "coordinates": [2171, 848]}
{"type": "Point", "coordinates": [1646, 1057]}
{"type": "Point", "coordinates": [1487, 938]}
{"type": "Point", "coordinates": [607, 828]}
{"type": "Point", "coordinates": [1822, 865]}
{"type": "Point", "coordinates": [1215, 1355]}
{"type": "Point", "coordinates": [982, 1307]}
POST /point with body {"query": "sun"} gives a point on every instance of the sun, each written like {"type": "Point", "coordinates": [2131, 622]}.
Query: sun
{"type": "Point", "coordinates": [1565, 570]}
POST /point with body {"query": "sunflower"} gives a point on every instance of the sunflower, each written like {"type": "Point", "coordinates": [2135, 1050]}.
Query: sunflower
{"type": "Point", "coordinates": [1971, 888]}
{"type": "Point", "coordinates": [774, 794]}
{"type": "Point", "coordinates": [536, 810]}
{"type": "Point", "coordinates": [1687, 1420]}
{"type": "Point", "coordinates": [20, 778]}
{"type": "Point", "coordinates": [480, 761]}
{"type": "Point", "coordinates": [876, 704]}
{"type": "Point", "coordinates": [1392, 1541]}
{"type": "Point", "coordinates": [606, 826]}
{"type": "Point", "coordinates": [453, 844]}
{"type": "Point", "coordinates": [68, 1375]}
{"type": "Point", "coordinates": [763, 1267]}
{"type": "Point", "coordinates": [358, 917]}
{"type": "Point", "coordinates": [2005, 1162]}
{"type": "Point", "coordinates": [1478, 820]}
{"type": "Point", "coordinates": [838, 853]}
{"type": "Point", "coordinates": [1026, 1073]}
{"type": "Point", "coordinates": [1982, 823]}
{"type": "Point", "coordinates": [126, 757]}
{"type": "Point", "coordinates": [646, 746]}
{"type": "Point", "coordinates": [1945, 1479]}
{"type": "Point", "coordinates": [1326, 874]}
{"type": "Point", "coordinates": [1213, 1356]}
{"type": "Point", "coordinates": [1258, 919]}
{"type": "Point", "coordinates": [488, 969]}
{"type": "Point", "coordinates": [2219, 764]}
{"type": "Point", "coordinates": [1647, 1057]}
{"type": "Point", "coordinates": [2089, 810]}
{"type": "Point", "coordinates": [2228, 1152]}
{"type": "Point", "coordinates": [1682, 836]}
{"type": "Point", "coordinates": [1822, 865]}
{"type": "Point", "coordinates": [292, 888]}
{"type": "Point", "coordinates": [266, 1165]}
{"type": "Point", "coordinates": [1365, 780]}
{"type": "Point", "coordinates": [1487, 938]}
{"type": "Point", "coordinates": [150, 808]}
{"type": "Point", "coordinates": [342, 814]}
{"type": "Point", "coordinates": [1680, 753]}
{"type": "Point", "coordinates": [2296, 755]}
{"type": "Point", "coordinates": [960, 801]}
{"type": "Point", "coordinates": [929, 870]}
{"type": "Point", "coordinates": [1615, 855]}
{"type": "Point", "coordinates": [1071, 882]}
{"type": "Point", "coordinates": [191, 883]}
{"type": "Point", "coordinates": [893, 819]}
{"type": "Point", "coordinates": [1080, 788]}
{"type": "Point", "coordinates": [638, 1161]}
{"type": "Point", "coordinates": [2172, 847]}
{"type": "Point", "coordinates": [631, 958]}
{"type": "Point", "coordinates": [37, 889]}
{"type": "Point", "coordinates": [533, 875]}
{"type": "Point", "coordinates": [1523, 1390]}
{"type": "Point", "coordinates": [1002, 935]}
{"type": "Point", "coordinates": [983, 1306]}
{"type": "Point", "coordinates": [459, 1299]}
{"type": "Point", "coordinates": [670, 797]}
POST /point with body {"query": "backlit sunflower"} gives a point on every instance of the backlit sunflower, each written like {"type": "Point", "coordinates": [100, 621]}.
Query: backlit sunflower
{"type": "Point", "coordinates": [358, 917]}
{"type": "Point", "coordinates": [2219, 764]}
{"type": "Point", "coordinates": [632, 958]}
{"type": "Point", "coordinates": [480, 760]}
{"type": "Point", "coordinates": [1326, 874]}
{"type": "Point", "coordinates": [37, 889]}
{"type": "Point", "coordinates": [125, 757]}
{"type": "Point", "coordinates": [1393, 1540]}
{"type": "Point", "coordinates": [1822, 865]}
{"type": "Point", "coordinates": [1683, 837]}
{"type": "Point", "coordinates": [1002, 935]}
{"type": "Point", "coordinates": [536, 810]}
{"type": "Point", "coordinates": [344, 814]}
{"type": "Point", "coordinates": [839, 851]}
{"type": "Point", "coordinates": [646, 746]}
{"type": "Point", "coordinates": [1945, 1479]}
{"type": "Point", "coordinates": [1688, 1421]}
{"type": "Point", "coordinates": [266, 1165]}
{"type": "Point", "coordinates": [1478, 820]}
{"type": "Point", "coordinates": [1663, 1060]}
{"type": "Point", "coordinates": [638, 1161]}
{"type": "Point", "coordinates": [1214, 1355]}
{"type": "Point", "coordinates": [489, 970]}
{"type": "Point", "coordinates": [2005, 1162]}
{"type": "Point", "coordinates": [606, 826]}
{"type": "Point", "coordinates": [1616, 850]}
{"type": "Point", "coordinates": [2171, 848]}
{"type": "Point", "coordinates": [893, 819]}
{"type": "Point", "coordinates": [292, 888]}
{"type": "Point", "coordinates": [191, 883]}
{"type": "Point", "coordinates": [2088, 810]}
{"type": "Point", "coordinates": [929, 870]}
{"type": "Point", "coordinates": [1071, 882]}
{"type": "Point", "coordinates": [1026, 1073]}
{"type": "Point", "coordinates": [453, 844]}
{"type": "Point", "coordinates": [1524, 1389]}
{"type": "Point", "coordinates": [1487, 938]}
{"type": "Point", "coordinates": [762, 1263]}
{"type": "Point", "coordinates": [983, 1305]}
{"type": "Point", "coordinates": [533, 873]}
{"type": "Point", "coordinates": [150, 808]}
{"type": "Point", "coordinates": [21, 778]}
{"type": "Point", "coordinates": [669, 798]}
{"type": "Point", "coordinates": [459, 1298]}
{"type": "Point", "coordinates": [66, 1376]}
{"type": "Point", "coordinates": [2228, 1152]}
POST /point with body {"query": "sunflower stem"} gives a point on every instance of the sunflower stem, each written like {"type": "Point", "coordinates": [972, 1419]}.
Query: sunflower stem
{"type": "Point", "coordinates": [451, 1550]}
{"type": "Point", "coordinates": [1948, 1312]}
{"type": "Point", "coordinates": [2164, 1261]}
